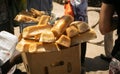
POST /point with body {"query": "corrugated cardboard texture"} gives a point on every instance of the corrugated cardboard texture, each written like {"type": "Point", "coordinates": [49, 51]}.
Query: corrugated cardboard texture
{"type": "Point", "coordinates": [66, 61]}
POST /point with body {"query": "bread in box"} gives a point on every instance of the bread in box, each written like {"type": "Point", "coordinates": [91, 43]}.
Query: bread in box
{"type": "Point", "coordinates": [35, 30]}
{"type": "Point", "coordinates": [84, 37]}
{"type": "Point", "coordinates": [44, 19]}
{"type": "Point", "coordinates": [60, 26]}
{"type": "Point", "coordinates": [81, 26]}
{"type": "Point", "coordinates": [71, 31]}
{"type": "Point", "coordinates": [64, 41]}
{"type": "Point", "coordinates": [46, 38]}
{"type": "Point", "coordinates": [36, 12]}
{"type": "Point", "coordinates": [25, 18]}
{"type": "Point", "coordinates": [23, 44]}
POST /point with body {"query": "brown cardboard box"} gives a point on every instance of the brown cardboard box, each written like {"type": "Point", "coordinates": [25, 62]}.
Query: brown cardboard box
{"type": "Point", "coordinates": [66, 61]}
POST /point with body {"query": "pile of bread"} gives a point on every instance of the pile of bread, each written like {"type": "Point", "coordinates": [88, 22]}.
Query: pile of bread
{"type": "Point", "coordinates": [44, 37]}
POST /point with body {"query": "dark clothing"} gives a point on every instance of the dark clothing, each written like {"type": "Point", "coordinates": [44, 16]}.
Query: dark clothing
{"type": "Point", "coordinates": [8, 10]}
{"type": "Point", "coordinates": [116, 49]}
{"type": "Point", "coordinates": [7, 27]}
{"type": "Point", "coordinates": [83, 52]}
{"type": "Point", "coordinates": [43, 5]}
{"type": "Point", "coordinates": [5, 16]}
{"type": "Point", "coordinates": [3, 11]}
{"type": "Point", "coordinates": [80, 14]}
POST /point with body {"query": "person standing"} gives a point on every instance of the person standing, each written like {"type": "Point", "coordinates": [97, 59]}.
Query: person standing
{"type": "Point", "coordinates": [79, 12]}
{"type": "Point", "coordinates": [8, 11]}
{"type": "Point", "coordinates": [108, 46]}
{"type": "Point", "coordinates": [105, 25]}
{"type": "Point", "coordinates": [42, 5]}
{"type": "Point", "coordinates": [5, 14]}
{"type": "Point", "coordinates": [109, 41]}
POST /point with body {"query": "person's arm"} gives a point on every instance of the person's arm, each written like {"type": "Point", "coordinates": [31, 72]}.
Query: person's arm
{"type": "Point", "coordinates": [105, 21]}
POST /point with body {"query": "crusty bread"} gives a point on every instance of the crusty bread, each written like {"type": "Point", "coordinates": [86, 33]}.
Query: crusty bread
{"type": "Point", "coordinates": [81, 26]}
{"type": "Point", "coordinates": [24, 44]}
{"type": "Point", "coordinates": [37, 12]}
{"type": "Point", "coordinates": [47, 36]}
{"type": "Point", "coordinates": [35, 30]}
{"type": "Point", "coordinates": [33, 47]}
{"type": "Point", "coordinates": [72, 31]}
{"type": "Point", "coordinates": [44, 19]}
{"type": "Point", "coordinates": [43, 47]}
{"type": "Point", "coordinates": [64, 41]}
{"type": "Point", "coordinates": [84, 37]}
{"type": "Point", "coordinates": [49, 47]}
{"type": "Point", "coordinates": [25, 18]}
{"type": "Point", "coordinates": [60, 26]}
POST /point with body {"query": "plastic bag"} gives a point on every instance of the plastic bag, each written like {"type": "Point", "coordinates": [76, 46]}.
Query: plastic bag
{"type": "Point", "coordinates": [80, 10]}
{"type": "Point", "coordinates": [114, 67]}
{"type": "Point", "coordinates": [68, 8]}
{"type": "Point", "coordinates": [8, 43]}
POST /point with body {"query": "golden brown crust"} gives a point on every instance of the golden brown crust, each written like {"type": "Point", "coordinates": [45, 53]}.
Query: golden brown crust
{"type": "Point", "coordinates": [64, 41]}
{"type": "Point", "coordinates": [84, 37]}
{"type": "Point", "coordinates": [81, 26]}
{"type": "Point", "coordinates": [44, 19]}
{"type": "Point", "coordinates": [37, 12]}
{"type": "Point", "coordinates": [72, 31]}
{"type": "Point", "coordinates": [35, 30]}
{"type": "Point", "coordinates": [61, 25]}
{"type": "Point", "coordinates": [47, 36]}
{"type": "Point", "coordinates": [25, 18]}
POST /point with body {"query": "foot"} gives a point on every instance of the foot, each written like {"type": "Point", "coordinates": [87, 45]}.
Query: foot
{"type": "Point", "coordinates": [108, 59]}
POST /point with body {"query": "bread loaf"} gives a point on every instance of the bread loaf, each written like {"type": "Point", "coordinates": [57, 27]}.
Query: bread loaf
{"type": "Point", "coordinates": [23, 45]}
{"type": "Point", "coordinates": [47, 36]}
{"type": "Point", "coordinates": [44, 19]}
{"type": "Point", "coordinates": [49, 47]}
{"type": "Point", "coordinates": [35, 30]}
{"type": "Point", "coordinates": [81, 26]}
{"type": "Point", "coordinates": [72, 31]}
{"type": "Point", "coordinates": [60, 26]}
{"type": "Point", "coordinates": [25, 18]}
{"type": "Point", "coordinates": [33, 47]}
{"type": "Point", "coordinates": [64, 41]}
{"type": "Point", "coordinates": [84, 37]}
{"type": "Point", "coordinates": [37, 12]}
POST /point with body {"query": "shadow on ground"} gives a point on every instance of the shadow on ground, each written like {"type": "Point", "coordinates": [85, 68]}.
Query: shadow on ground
{"type": "Point", "coordinates": [95, 64]}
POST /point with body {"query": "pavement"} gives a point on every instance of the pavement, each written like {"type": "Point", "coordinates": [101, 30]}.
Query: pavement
{"type": "Point", "coordinates": [93, 63]}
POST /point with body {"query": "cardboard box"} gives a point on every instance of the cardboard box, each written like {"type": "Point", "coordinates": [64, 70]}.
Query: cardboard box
{"type": "Point", "coordinates": [66, 61]}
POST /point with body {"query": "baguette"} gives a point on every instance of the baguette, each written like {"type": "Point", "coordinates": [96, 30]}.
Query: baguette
{"type": "Point", "coordinates": [43, 47]}
{"type": "Point", "coordinates": [35, 30]}
{"type": "Point", "coordinates": [49, 47]}
{"type": "Point", "coordinates": [47, 36]}
{"type": "Point", "coordinates": [64, 41]}
{"type": "Point", "coordinates": [84, 37]}
{"type": "Point", "coordinates": [72, 31]}
{"type": "Point", "coordinates": [44, 20]}
{"type": "Point", "coordinates": [25, 18]}
{"type": "Point", "coordinates": [60, 26]}
{"type": "Point", "coordinates": [35, 46]}
{"type": "Point", "coordinates": [37, 12]}
{"type": "Point", "coordinates": [24, 44]}
{"type": "Point", "coordinates": [81, 26]}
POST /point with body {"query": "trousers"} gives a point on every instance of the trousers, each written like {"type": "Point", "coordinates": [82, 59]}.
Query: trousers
{"type": "Point", "coordinates": [108, 44]}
